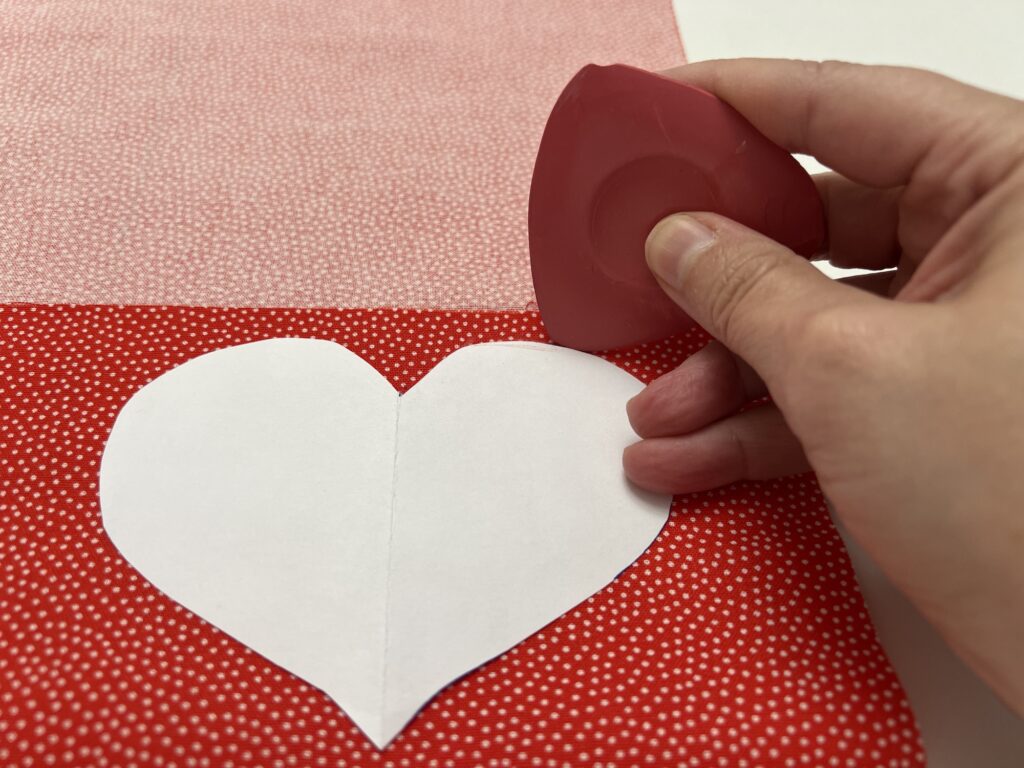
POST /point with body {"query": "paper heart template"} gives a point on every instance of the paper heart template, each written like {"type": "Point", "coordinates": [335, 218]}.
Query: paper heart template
{"type": "Point", "coordinates": [377, 546]}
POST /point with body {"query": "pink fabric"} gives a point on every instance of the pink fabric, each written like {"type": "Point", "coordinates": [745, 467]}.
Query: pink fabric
{"type": "Point", "coordinates": [314, 153]}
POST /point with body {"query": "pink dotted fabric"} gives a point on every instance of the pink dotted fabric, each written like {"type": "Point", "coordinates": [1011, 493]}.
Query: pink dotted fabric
{"type": "Point", "coordinates": [272, 153]}
{"type": "Point", "coordinates": [738, 639]}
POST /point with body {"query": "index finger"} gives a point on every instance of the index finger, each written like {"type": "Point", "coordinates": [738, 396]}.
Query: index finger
{"type": "Point", "coordinates": [873, 124]}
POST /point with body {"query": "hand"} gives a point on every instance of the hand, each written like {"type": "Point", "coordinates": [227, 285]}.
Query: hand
{"type": "Point", "coordinates": [911, 411]}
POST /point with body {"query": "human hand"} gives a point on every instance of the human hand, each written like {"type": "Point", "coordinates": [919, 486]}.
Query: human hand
{"type": "Point", "coordinates": [911, 411]}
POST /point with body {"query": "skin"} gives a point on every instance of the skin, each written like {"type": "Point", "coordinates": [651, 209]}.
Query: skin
{"type": "Point", "coordinates": [905, 393]}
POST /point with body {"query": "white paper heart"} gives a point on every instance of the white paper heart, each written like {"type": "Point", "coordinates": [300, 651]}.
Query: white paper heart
{"type": "Point", "coordinates": [378, 547]}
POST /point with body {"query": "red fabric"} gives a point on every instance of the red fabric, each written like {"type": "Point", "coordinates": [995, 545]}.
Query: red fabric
{"type": "Point", "coordinates": [739, 638]}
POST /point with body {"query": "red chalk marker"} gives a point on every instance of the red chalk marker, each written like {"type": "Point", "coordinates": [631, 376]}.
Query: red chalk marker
{"type": "Point", "coordinates": [624, 148]}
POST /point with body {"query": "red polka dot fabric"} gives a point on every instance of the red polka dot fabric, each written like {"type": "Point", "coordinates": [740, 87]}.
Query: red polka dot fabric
{"type": "Point", "coordinates": [737, 639]}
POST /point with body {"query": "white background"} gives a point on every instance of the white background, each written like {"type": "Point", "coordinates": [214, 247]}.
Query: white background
{"type": "Point", "coordinates": [961, 722]}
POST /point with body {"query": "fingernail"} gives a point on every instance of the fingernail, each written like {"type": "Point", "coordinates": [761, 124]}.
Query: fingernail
{"type": "Point", "coordinates": [631, 406]}
{"type": "Point", "coordinates": [673, 244]}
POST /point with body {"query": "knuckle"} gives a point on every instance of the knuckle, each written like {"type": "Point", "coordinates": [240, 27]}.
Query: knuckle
{"type": "Point", "coordinates": [742, 277]}
{"type": "Point", "coordinates": [835, 351]}
{"type": "Point", "coordinates": [839, 338]}
{"type": "Point", "coordinates": [844, 350]}
{"type": "Point", "coordinates": [821, 76]}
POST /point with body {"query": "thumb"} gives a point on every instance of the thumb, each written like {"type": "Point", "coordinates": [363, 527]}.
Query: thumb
{"type": "Point", "coordinates": [751, 293]}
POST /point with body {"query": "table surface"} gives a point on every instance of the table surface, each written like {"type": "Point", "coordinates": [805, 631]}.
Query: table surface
{"type": "Point", "coordinates": [961, 722]}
